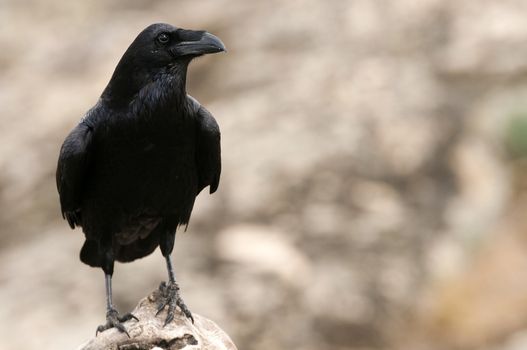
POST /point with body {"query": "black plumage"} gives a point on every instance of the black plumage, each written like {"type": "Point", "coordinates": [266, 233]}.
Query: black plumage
{"type": "Point", "coordinates": [129, 172]}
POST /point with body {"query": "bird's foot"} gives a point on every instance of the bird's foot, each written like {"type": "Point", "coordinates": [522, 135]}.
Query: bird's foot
{"type": "Point", "coordinates": [113, 320]}
{"type": "Point", "coordinates": [170, 296]}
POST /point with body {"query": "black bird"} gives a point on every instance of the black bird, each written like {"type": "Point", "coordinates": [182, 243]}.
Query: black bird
{"type": "Point", "coordinates": [129, 172]}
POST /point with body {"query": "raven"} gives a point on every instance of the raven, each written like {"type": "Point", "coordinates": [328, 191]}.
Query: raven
{"type": "Point", "coordinates": [130, 171]}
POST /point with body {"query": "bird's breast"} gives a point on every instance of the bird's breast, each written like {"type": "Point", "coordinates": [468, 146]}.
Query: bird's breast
{"type": "Point", "coordinates": [148, 166]}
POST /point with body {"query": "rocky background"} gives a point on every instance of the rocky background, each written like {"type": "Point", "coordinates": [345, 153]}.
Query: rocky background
{"type": "Point", "coordinates": [374, 191]}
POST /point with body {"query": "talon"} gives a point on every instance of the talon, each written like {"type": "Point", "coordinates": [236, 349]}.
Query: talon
{"type": "Point", "coordinates": [121, 328]}
{"type": "Point", "coordinates": [100, 329]}
{"type": "Point", "coordinates": [172, 298]}
{"type": "Point", "coordinates": [185, 310]}
{"type": "Point", "coordinates": [127, 317]}
{"type": "Point", "coordinates": [161, 306]}
{"type": "Point", "coordinates": [113, 320]}
{"type": "Point", "coordinates": [189, 315]}
{"type": "Point", "coordinates": [170, 318]}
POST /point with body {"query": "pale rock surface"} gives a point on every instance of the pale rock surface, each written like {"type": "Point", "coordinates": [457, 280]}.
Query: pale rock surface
{"type": "Point", "coordinates": [149, 333]}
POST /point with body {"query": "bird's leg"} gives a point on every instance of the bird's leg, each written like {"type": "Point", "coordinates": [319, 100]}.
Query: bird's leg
{"type": "Point", "coordinates": [170, 291]}
{"type": "Point", "coordinates": [112, 316]}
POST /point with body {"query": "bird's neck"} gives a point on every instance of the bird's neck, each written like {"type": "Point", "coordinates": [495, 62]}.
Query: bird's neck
{"type": "Point", "coordinates": [146, 88]}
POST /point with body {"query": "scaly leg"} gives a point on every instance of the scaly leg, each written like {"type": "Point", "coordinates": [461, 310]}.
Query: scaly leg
{"type": "Point", "coordinates": [170, 291]}
{"type": "Point", "coordinates": [112, 316]}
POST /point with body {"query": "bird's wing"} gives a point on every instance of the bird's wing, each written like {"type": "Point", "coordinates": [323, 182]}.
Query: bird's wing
{"type": "Point", "coordinates": [71, 171]}
{"type": "Point", "coordinates": [208, 151]}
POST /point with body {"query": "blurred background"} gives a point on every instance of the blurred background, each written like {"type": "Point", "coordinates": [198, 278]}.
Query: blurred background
{"type": "Point", "coordinates": [374, 187]}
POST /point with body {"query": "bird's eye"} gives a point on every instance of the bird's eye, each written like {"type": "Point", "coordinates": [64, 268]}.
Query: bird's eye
{"type": "Point", "coordinates": [163, 38]}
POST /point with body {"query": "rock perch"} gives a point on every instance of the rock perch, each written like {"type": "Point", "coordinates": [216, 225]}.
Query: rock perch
{"type": "Point", "coordinates": [149, 334]}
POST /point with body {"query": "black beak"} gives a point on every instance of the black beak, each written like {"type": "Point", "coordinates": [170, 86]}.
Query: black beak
{"type": "Point", "coordinates": [207, 43]}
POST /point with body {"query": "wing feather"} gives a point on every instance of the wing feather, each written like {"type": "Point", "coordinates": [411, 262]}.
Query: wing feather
{"type": "Point", "coordinates": [208, 154]}
{"type": "Point", "coordinates": [71, 172]}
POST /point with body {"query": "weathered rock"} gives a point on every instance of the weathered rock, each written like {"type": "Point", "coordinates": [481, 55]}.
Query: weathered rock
{"type": "Point", "coordinates": [149, 333]}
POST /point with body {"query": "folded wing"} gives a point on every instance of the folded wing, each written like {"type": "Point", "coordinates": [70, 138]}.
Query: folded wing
{"type": "Point", "coordinates": [208, 151]}
{"type": "Point", "coordinates": [72, 171]}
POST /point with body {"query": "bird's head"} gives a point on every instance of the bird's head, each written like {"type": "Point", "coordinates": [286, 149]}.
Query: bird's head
{"type": "Point", "coordinates": [161, 45]}
{"type": "Point", "coordinates": [159, 48]}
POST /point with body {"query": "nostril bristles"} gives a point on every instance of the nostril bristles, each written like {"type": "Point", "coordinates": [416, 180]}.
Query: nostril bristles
{"type": "Point", "coordinates": [190, 35]}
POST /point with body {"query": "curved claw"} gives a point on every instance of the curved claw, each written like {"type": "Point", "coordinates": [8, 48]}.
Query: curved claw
{"type": "Point", "coordinates": [100, 329]}
{"type": "Point", "coordinates": [170, 318]}
{"type": "Point", "coordinates": [161, 306]}
{"type": "Point", "coordinates": [121, 329]}
{"type": "Point", "coordinates": [170, 312]}
{"type": "Point", "coordinates": [113, 320]}
{"type": "Point", "coordinates": [170, 296]}
{"type": "Point", "coordinates": [185, 310]}
{"type": "Point", "coordinates": [127, 317]}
